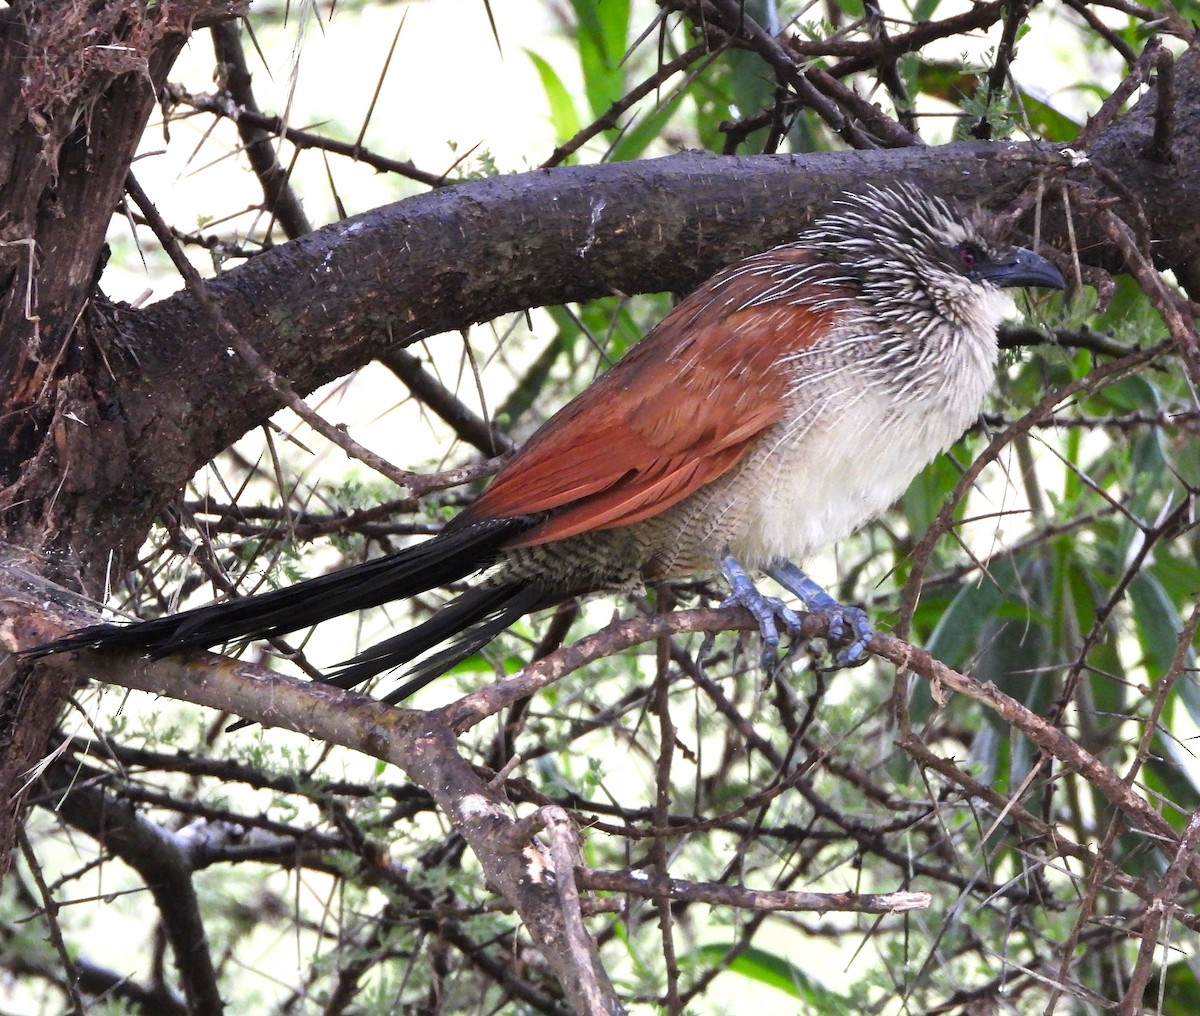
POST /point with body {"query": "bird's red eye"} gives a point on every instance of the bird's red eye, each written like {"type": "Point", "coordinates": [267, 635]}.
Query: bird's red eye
{"type": "Point", "coordinates": [967, 256]}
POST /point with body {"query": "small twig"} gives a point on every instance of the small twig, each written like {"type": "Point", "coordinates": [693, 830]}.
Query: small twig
{"type": "Point", "coordinates": [660, 854]}
{"type": "Point", "coordinates": [497, 782]}
{"type": "Point", "coordinates": [1187, 421]}
{"type": "Point", "coordinates": [738, 23]}
{"type": "Point", "coordinates": [263, 522]}
{"type": "Point", "coordinates": [869, 114]}
{"type": "Point", "coordinates": [279, 199]}
{"type": "Point", "coordinates": [1161, 904]}
{"type": "Point", "coordinates": [1087, 905]}
{"type": "Point", "coordinates": [1018, 336]}
{"type": "Point", "coordinates": [1097, 25]}
{"type": "Point", "coordinates": [609, 118]}
{"type": "Point", "coordinates": [887, 72]}
{"type": "Point", "coordinates": [1130, 7]}
{"type": "Point", "coordinates": [421, 484]}
{"type": "Point", "coordinates": [54, 931]}
{"type": "Point", "coordinates": [864, 56]}
{"type": "Point", "coordinates": [302, 138]}
{"type": "Point", "coordinates": [1111, 107]}
{"type": "Point", "coordinates": [646, 884]}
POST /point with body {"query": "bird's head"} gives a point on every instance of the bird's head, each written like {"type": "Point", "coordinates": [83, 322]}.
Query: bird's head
{"type": "Point", "coordinates": [911, 254]}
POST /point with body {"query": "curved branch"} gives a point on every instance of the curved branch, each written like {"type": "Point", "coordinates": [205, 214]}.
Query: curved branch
{"type": "Point", "coordinates": [318, 307]}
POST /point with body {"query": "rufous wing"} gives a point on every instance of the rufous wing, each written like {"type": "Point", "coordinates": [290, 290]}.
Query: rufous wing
{"type": "Point", "coordinates": [677, 412]}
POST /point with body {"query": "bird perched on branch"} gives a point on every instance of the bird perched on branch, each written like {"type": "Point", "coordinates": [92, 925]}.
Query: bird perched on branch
{"type": "Point", "coordinates": [787, 401]}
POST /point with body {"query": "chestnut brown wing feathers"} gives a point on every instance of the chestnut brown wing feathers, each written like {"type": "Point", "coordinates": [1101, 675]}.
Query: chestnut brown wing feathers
{"type": "Point", "coordinates": [677, 412]}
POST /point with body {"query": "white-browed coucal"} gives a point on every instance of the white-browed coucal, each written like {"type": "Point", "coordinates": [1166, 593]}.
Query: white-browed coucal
{"type": "Point", "coordinates": [787, 401]}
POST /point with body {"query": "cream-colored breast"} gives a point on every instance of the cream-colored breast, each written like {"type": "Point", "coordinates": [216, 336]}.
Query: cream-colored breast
{"type": "Point", "coordinates": [867, 411]}
{"type": "Point", "coordinates": [850, 446]}
{"type": "Point", "coordinates": [815, 489]}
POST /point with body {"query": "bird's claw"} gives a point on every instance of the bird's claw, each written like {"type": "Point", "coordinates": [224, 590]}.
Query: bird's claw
{"type": "Point", "coordinates": [767, 611]}
{"type": "Point", "coordinates": [850, 627]}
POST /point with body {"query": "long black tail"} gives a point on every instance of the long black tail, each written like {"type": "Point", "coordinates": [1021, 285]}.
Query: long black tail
{"type": "Point", "coordinates": [445, 558]}
{"type": "Point", "coordinates": [477, 617]}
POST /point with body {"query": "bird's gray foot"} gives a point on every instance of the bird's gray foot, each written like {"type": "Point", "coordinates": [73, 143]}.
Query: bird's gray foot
{"type": "Point", "coordinates": [848, 626]}
{"type": "Point", "coordinates": [768, 611]}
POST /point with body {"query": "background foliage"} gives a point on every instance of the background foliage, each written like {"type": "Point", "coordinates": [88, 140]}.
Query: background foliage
{"type": "Point", "coordinates": [1065, 573]}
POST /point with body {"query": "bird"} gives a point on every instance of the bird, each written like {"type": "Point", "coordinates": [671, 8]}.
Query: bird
{"type": "Point", "coordinates": [784, 403]}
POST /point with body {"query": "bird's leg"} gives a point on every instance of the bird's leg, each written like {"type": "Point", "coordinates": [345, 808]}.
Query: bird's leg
{"type": "Point", "coordinates": [815, 598]}
{"type": "Point", "coordinates": [766, 609]}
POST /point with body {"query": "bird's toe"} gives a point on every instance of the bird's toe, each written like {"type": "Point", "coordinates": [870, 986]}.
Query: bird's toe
{"type": "Point", "coordinates": [849, 627]}
{"type": "Point", "coordinates": [770, 613]}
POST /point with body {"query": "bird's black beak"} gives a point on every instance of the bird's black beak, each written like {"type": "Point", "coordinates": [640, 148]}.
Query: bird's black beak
{"type": "Point", "coordinates": [1020, 267]}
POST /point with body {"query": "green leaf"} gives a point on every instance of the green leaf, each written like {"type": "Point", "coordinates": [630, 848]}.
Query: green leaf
{"type": "Point", "coordinates": [1002, 628]}
{"type": "Point", "coordinates": [603, 26]}
{"type": "Point", "coordinates": [562, 108]}
{"type": "Point", "coordinates": [1126, 396]}
{"type": "Point", "coordinates": [1129, 315]}
{"type": "Point", "coordinates": [1155, 596]}
{"type": "Point", "coordinates": [1156, 620]}
{"type": "Point", "coordinates": [773, 970]}
{"type": "Point", "coordinates": [923, 10]}
{"type": "Point", "coordinates": [603, 29]}
{"type": "Point", "coordinates": [1046, 121]}
{"type": "Point", "coordinates": [958, 630]}
{"type": "Point", "coordinates": [927, 494]}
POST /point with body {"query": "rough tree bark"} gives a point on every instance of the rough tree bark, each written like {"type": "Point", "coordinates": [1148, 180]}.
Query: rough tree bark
{"type": "Point", "coordinates": [77, 84]}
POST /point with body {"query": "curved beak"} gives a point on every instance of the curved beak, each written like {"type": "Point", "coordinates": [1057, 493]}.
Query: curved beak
{"type": "Point", "coordinates": [1021, 267]}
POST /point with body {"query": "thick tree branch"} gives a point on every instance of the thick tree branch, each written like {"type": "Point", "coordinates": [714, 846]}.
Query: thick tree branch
{"type": "Point", "coordinates": [318, 307]}
{"type": "Point", "coordinates": [328, 302]}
